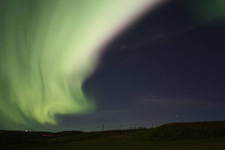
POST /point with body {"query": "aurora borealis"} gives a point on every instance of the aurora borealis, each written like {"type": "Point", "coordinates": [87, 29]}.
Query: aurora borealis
{"type": "Point", "coordinates": [207, 10]}
{"type": "Point", "coordinates": [79, 64]}
{"type": "Point", "coordinates": [48, 48]}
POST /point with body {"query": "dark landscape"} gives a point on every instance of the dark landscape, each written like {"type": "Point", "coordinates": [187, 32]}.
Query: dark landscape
{"type": "Point", "coordinates": [112, 75]}
{"type": "Point", "coordinates": [173, 136]}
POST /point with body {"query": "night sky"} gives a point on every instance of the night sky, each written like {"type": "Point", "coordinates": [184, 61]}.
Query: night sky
{"type": "Point", "coordinates": [167, 67]}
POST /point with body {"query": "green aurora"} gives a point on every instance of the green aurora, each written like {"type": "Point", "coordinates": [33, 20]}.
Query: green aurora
{"type": "Point", "coordinates": [207, 10]}
{"type": "Point", "coordinates": [48, 48]}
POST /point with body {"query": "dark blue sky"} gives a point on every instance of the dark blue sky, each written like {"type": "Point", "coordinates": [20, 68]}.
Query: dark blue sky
{"type": "Point", "coordinates": [168, 67]}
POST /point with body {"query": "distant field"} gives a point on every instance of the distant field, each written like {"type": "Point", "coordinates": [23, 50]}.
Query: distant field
{"type": "Point", "coordinates": [177, 136]}
{"type": "Point", "coordinates": [121, 144]}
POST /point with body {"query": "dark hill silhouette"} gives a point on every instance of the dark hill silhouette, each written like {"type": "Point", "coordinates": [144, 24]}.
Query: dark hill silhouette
{"type": "Point", "coordinates": [173, 132]}
{"type": "Point", "coordinates": [193, 130]}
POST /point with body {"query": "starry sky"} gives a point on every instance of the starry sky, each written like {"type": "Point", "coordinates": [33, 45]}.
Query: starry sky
{"type": "Point", "coordinates": [166, 67]}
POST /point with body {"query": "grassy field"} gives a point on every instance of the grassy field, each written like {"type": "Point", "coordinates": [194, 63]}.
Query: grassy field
{"type": "Point", "coordinates": [177, 136]}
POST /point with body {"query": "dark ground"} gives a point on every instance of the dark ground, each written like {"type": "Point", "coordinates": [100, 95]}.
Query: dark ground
{"type": "Point", "coordinates": [174, 136]}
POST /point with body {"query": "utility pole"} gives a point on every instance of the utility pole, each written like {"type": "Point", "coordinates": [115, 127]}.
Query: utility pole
{"type": "Point", "coordinates": [152, 125]}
